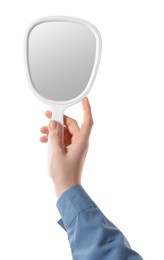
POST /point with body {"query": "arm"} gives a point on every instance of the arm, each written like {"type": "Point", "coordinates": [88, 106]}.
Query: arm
{"type": "Point", "coordinates": [91, 235]}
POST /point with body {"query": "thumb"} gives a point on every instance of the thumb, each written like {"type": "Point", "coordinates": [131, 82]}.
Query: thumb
{"type": "Point", "coordinates": [55, 134]}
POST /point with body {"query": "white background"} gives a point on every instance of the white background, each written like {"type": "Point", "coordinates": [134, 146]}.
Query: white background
{"type": "Point", "coordinates": [124, 168]}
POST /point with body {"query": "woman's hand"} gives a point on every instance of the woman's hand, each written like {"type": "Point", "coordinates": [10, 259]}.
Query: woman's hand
{"type": "Point", "coordinates": [67, 159]}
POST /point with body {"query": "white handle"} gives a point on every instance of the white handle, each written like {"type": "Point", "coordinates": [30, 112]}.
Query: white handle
{"type": "Point", "coordinates": [57, 115]}
{"type": "Point", "coordinates": [59, 118]}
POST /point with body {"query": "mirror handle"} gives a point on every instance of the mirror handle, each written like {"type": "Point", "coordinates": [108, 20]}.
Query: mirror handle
{"type": "Point", "coordinates": [57, 115]}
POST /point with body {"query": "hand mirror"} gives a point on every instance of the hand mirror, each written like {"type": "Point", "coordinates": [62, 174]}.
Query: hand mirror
{"type": "Point", "coordinates": [62, 56]}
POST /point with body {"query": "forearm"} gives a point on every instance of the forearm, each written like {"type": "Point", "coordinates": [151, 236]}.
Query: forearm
{"type": "Point", "coordinates": [91, 234]}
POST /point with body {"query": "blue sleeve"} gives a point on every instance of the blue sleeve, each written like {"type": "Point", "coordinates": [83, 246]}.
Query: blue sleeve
{"type": "Point", "coordinates": [91, 235]}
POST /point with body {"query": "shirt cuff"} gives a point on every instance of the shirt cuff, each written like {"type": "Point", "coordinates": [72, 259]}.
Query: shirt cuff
{"type": "Point", "coordinates": [71, 203]}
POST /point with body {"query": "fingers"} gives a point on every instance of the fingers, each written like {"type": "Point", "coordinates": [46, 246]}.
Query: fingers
{"type": "Point", "coordinates": [48, 114]}
{"type": "Point", "coordinates": [87, 118]}
{"type": "Point", "coordinates": [44, 130]}
{"type": "Point", "coordinates": [55, 133]}
{"type": "Point", "coordinates": [72, 125]}
{"type": "Point", "coordinates": [44, 139]}
{"type": "Point", "coordinates": [68, 121]}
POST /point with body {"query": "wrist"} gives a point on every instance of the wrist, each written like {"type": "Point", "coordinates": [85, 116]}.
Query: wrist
{"type": "Point", "coordinates": [60, 189]}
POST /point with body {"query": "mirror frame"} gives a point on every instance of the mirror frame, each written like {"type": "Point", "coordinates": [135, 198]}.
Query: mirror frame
{"type": "Point", "coordinates": [97, 35]}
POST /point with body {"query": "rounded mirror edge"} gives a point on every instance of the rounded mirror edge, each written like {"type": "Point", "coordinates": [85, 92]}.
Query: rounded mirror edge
{"type": "Point", "coordinates": [98, 38]}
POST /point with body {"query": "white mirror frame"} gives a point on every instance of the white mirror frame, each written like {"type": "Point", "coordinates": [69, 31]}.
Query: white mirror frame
{"type": "Point", "coordinates": [58, 107]}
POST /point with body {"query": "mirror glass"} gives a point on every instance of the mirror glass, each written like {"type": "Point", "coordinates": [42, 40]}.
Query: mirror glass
{"type": "Point", "coordinates": [61, 56]}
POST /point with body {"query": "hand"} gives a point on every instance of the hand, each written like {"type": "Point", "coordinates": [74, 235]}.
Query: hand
{"type": "Point", "coordinates": [67, 159]}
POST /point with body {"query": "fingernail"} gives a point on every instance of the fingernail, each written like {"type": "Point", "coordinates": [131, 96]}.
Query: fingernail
{"type": "Point", "coordinates": [53, 124]}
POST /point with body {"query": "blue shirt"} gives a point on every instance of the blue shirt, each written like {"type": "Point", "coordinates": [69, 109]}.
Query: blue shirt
{"type": "Point", "coordinates": [91, 235]}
